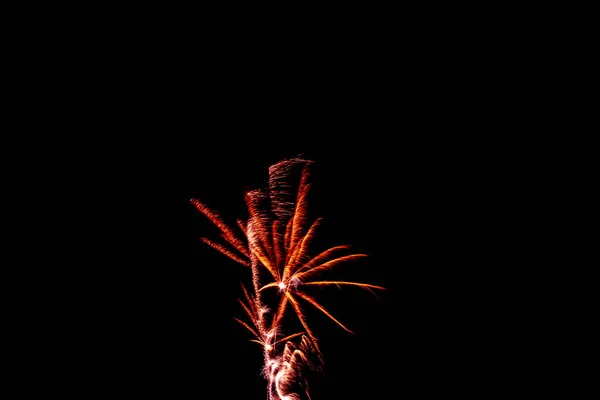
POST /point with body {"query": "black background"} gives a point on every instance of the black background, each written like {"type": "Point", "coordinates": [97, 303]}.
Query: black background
{"type": "Point", "coordinates": [420, 206]}
{"type": "Point", "coordinates": [412, 166]}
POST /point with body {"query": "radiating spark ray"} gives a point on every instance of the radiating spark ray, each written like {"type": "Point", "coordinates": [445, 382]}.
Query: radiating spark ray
{"type": "Point", "coordinates": [280, 311]}
{"type": "Point", "coordinates": [288, 234]}
{"type": "Point", "coordinates": [242, 225]}
{"type": "Point", "coordinates": [362, 285]}
{"type": "Point", "coordinates": [250, 313]}
{"type": "Point", "coordinates": [268, 285]}
{"type": "Point", "coordinates": [302, 318]}
{"type": "Point", "coordinates": [249, 328]}
{"type": "Point", "coordinates": [300, 250]}
{"type": "Point", "coordinates": [289, 337]}
{"type": "Point", "coordinates": [258, 207]}
{"type": "Point", "coordinates": [300, 214]}
{"type": "Point", "coordinates": [278, 244]}
{"type": "Point", "coordinates": [267, 241]}
{"type": "Point", "coordinates": [230, 235]}
{"type": "Point", "coordinates": [328, 265]}
{"type": "Point", "coordinates": [256, 248]}
{"type": "Point", "coordinates": [321, 257]}
{"type": "Point", "coordinates": [249, 299]}
{"type": "Point", "coordinates": [322, 309]}
{"type": "Point", "coordinates": [257, 251]}
{"type": "Point", "coordinates": [225, 251]}
{"type": "Point", "coordinates": [291, 251]}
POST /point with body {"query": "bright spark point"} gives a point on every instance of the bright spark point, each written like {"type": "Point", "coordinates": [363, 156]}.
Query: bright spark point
{"type": "Point", "coordinates": [281, 285]}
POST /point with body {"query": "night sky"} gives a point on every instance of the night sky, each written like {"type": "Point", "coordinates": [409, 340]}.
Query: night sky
{"type": "Point", "coordinates": [402, 175]}
{"type": "Point", "coordinates": [163, 303]}
{"type": "Point", "coordinates": [415, 165]}
{"type": "Point", "coordinates": [404, 203]}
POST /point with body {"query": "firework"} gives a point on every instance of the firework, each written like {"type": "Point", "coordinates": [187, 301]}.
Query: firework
{"type": "Point", "coordinates": [274, 243]}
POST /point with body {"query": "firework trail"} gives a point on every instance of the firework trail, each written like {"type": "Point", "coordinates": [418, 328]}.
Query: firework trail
{"type": "Point", "coordinates": [274, 243]}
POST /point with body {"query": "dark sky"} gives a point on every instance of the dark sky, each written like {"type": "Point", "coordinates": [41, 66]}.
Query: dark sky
{"type": "Point", "coordinates": [423, 206]}
{"type": "Point", "coordinates": [163, 303]}
{"type": "Point", "coordinates": [410, 131]}
{"type": "Point", "coordinates": [407, 169]}
{"type": "Point", "coordinates": [405, 202]}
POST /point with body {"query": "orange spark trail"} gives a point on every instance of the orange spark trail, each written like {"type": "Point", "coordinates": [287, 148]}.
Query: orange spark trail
{"type": "Point", "coordinates": [300, 215]}
{"type": "Point", "coordinates": [278, 236]}
{"type": "Point", "coordinates": [322, 309]}
{"type": "Point", "coordinates": [249, 328]}
{"type": "Point", "coordinates": [299, 252]}
{"type": "Point", "coordinates": [301, 317]}
{"type": "Point", "coordinates": [328, 265]}
{"type": "Point", "coordinates": [288, 233]}
{"type": "Point", "coordinates": [242, 225]}
{"type": "Point", "coordinates": [280, 312]}
{"type": "Point", "coordinates": [323, 256]}
{"type": "Point", "coordinates": [277, 244]}
{"type": "Point", "coordinates": [229, 235]}
{"type": "Point", "coordinates": [338, 283]}
{"type": "Point", "coordinates": [222, 249]}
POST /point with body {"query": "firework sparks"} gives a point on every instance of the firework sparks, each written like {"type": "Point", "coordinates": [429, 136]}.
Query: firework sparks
{"type": "Point", "coordinates": [275, 243]}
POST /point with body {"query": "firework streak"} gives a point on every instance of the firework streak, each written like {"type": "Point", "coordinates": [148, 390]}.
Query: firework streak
{"type": "Point", "coordinates": [274, 243]}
